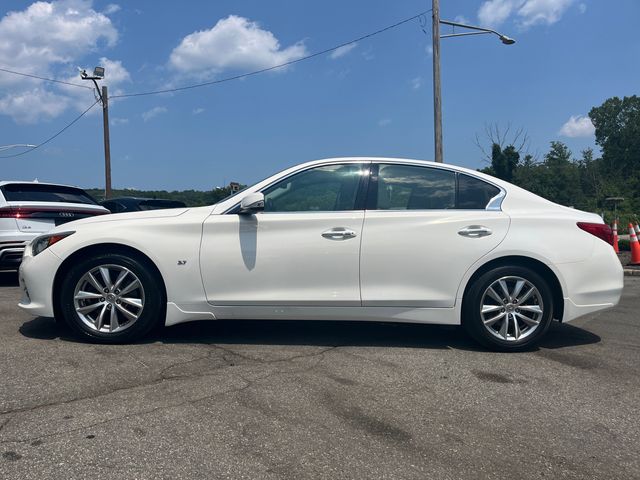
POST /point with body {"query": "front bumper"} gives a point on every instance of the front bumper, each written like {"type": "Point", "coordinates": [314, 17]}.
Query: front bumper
{"type": "Point", "coordinates": [36, 277]}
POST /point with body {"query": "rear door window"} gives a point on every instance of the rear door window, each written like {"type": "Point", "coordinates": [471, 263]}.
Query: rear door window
{"type": "Point", "coordinates": [409, 187]}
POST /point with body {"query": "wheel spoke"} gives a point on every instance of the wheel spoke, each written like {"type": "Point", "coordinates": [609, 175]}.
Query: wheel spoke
{"type": "Point", "coordinates": [531, 308]}
{"type": "Point", "coordinates": [93, 281]}
{"type": "Point", "coordinates": [126, 312]}
{"type": "Point", "coordinates": [135, 302]}
{"type": "Point", "coordinates": [526, 295]}
{"type": "Point", "coordinates": [493, 320]}
{"type": "Point", "coordinates": [100, 318]}
{"type": "Point", "coordinates": [113, 320]}
{"type": "Point", "coordinates": [492, 293]}
{"type": "Point", "coordinates": [529, 321]}
{"type": "Point", "coordinates": [516, 327]}
{"type": "Point", "coordinates": [488, 308]}
{"type": "Point", "coordinates": [88, 308]}
{"type": "Point", "coordinates": [517, 289]}
{"type": "Point", "coordinates": [504, 330]}
{"type": "Point", "coordinates": [82, 295]}
{"type": "Point", "coordinates": [121, 277]}
{"type": "Point", "coordinates": [106, 277]}
{"type": "Point", "coordinates": [129, 288]}
{"type": "Point", "coordinates": [505, 290]}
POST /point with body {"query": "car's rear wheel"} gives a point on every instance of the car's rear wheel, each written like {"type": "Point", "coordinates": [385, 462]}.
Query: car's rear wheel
{"type": "Point", "coordinates": [508, 308]}
{"type": "Point", "coordinates": [111, 298]}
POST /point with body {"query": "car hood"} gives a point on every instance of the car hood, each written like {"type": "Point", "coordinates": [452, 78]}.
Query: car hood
{"type": "Point", "coordinates": [118, 217]}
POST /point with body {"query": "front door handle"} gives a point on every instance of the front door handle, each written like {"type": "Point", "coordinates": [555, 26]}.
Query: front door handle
{"type": "Point", "coordinates": [475, 231]}
{"type": "Point", "coordinates": [339, 233]}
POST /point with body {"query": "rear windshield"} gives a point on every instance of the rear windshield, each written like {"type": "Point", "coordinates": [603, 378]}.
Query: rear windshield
{"type": "Point", "coordinates": [33, 192]}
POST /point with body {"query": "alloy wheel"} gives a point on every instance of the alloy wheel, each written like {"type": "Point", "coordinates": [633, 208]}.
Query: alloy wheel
{"type": "Point", "coordinates": [109, 298]}
{"type": "Point", "coordinates": [511, 308]}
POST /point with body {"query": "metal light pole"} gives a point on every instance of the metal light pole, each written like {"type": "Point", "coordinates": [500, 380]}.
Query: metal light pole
{"type": "Point", "coordinates": [98, 74]}
{"type": "Point", "coordinates": [16, 145]}
{"type": "Point", "coordinates": [437, 95]}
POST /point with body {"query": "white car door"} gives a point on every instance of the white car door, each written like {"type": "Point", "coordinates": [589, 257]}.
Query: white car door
{"type": "Point", "coordinates": [424, 227]}
{"type": "Point", "coordinates": [303, 249]}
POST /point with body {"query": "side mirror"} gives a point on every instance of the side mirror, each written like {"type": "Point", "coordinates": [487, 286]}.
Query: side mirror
{"type": "Point", "coordinates": [254, 202]}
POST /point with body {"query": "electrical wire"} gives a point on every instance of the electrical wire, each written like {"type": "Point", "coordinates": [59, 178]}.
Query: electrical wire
{"type": "Point", "coordinates": [13, 72]}
{"type": "Point", "coordinates": [274, 67]}
{"type": "Point", "coordinates": [53, 136]}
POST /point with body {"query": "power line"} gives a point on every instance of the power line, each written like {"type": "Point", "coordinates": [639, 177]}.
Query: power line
{"type": "Point", "coordinates": [53, 136]}
{"type": "Point", "coordinates": [13, 72]}
{"type": "Point", "coordinates": [268, 69]}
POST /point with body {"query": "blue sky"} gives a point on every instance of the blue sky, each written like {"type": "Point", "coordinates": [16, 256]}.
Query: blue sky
{"type": "Point", "coordinates": [375, 99]}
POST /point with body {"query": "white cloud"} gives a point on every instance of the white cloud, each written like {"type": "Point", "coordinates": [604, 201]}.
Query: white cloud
{"type": "Point", "coordinates": [115, 121]}
{"type": "Point", "coordinates": [383, 122]}
{"type": "Point", "coordinates": [46, 39]}
{"type": "Point", "coordinates": [154, 112]}
{"type": "Point", "coordinates": [197, 111]}
{"type": "Point", "coordinates": [461, 19]}
{"type": "Point", "coordinates": [542, 12]}
{"type": "Point", "coordinates": [429, 50]}
{"type": "Point", "coordinates": [493, 13]}
{"type": "Point", "coordinates": [577, 126]}
{"type": "Point", "coordinates": [416, 83]}
{"type": "Point", "coordinates": [527, 13]}
{"type": "Point", "coordinates": [342, 51]}
{"type": "Point", "coordinates": [111, 9]}
{"type": "Point", "coordinates": [232, 43]}
{"type": "Point", "coordinates": [582, 7]}
{"type": "Point", "coordinates": [32, 105]}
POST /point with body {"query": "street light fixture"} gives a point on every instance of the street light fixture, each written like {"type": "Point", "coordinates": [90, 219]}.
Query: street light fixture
{"type": "Point", "coordinates": [98, 74]}
{"type": "Point", "coordinates": [16, 145]}
{"type": "Point", "coordinates": [437, 95]}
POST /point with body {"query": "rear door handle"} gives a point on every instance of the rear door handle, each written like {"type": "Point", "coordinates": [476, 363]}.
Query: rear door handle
{"type": "Point", "coordinates": [339, 233]}
{"type": "Point", "coordinates": [475, 231]}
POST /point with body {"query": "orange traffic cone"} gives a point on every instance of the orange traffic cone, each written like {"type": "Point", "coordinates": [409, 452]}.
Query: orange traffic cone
{"type": "Point", "coordinates": [615, 236]}
{"type": "Point", "coordinates": [637, 227]}
{"type": "Point", "coordinates": [634, 246]}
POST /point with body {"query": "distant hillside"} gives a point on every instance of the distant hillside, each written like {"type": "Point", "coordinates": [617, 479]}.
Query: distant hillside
{"type": "Point", "coordinates": [193, 198]}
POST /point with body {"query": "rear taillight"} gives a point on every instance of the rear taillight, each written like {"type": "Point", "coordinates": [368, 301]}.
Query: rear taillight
{"type": "Point", "coordinates": [8, 213]}
{"type": "Point", "coordinates": [600, 230]}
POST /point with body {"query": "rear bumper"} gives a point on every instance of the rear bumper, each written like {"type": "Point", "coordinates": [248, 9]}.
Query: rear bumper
{"type": "Point", "coordinates": [592, 285]}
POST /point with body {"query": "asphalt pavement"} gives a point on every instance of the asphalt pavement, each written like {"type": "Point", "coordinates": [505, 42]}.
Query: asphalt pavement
{"type": "Point", "coordinates": [319, 400]}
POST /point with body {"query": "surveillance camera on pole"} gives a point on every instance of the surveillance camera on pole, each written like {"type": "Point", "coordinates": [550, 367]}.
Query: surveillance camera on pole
{"type": "Point", "coordinates": [98, 74]}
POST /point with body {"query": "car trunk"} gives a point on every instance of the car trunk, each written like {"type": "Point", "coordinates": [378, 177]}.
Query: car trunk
{"type": "Point", "coordinates": [34, 217]}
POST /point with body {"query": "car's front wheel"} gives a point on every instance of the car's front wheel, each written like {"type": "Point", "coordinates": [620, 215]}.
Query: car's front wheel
{"type": "Point", "coordinates": [508, 308]}
{"type": "Point", "coordinates": [111, 298]}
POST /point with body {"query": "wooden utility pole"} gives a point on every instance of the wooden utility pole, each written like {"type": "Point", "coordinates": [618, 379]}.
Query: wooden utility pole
{"type": "Point", "coordinates": [107, 145]}
{"type": "Point", "coordinates": [437, 95]}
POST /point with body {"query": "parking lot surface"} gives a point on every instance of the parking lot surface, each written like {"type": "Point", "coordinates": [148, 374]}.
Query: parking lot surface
{"type": "Point", "coordinates": [319, 400]}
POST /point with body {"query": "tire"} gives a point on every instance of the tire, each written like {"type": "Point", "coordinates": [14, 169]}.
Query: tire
{"type": "Point", "coordinates": [527, 314]}
{"type": "Point", "coordinates": [101, 307]}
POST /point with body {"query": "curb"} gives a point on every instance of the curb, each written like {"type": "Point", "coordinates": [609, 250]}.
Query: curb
{"type": "Point", "coordinates": [631, 272]}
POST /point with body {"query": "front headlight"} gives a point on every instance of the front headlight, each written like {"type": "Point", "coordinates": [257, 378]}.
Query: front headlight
{"type": "Point", "coordinates": [41, 243]}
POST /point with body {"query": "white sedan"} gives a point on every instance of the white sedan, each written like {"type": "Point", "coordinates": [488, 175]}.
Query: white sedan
{"type": "Point", "coordinates": [371, 239]}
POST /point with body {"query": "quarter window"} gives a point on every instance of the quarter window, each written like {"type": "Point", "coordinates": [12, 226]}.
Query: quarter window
{"type": "Point", "coordinates": [473, 193]}
{"type": "Point", "coordinates": [408, 187]}
{"type": "Point", "coordinates": [321, 189]}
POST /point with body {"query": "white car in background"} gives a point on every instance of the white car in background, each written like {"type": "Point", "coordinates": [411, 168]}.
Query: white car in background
{"type": "Point", "coordinates": [28, 209]}
{"type": "Point", "coordinates": [372, 239]}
